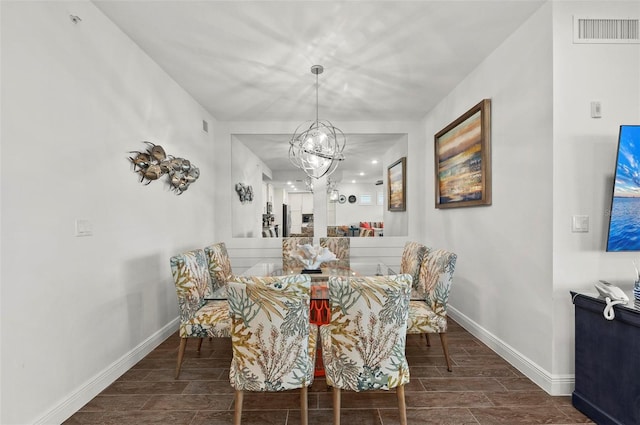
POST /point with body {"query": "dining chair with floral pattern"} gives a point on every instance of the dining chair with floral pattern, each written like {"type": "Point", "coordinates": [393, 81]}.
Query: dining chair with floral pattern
{"type": "Point", "coordinates": [412, 256]}
{"type": "Point", "coordinates": [341, 248]}
{"type": "Point", "coordinates": [366, 232]}
{"type": "Point", "coordinates": [219, 265]}
{"type": "Point", "coordinates": [363, 346]}
{"type": "Point", "coordinates": [199, 318]}
{"type": "Point", "coordinates": [273, 343]}
{"type": "Point", "coordinates": [428, 306]}
{"type": "Point", "coordinates": [289, 246]}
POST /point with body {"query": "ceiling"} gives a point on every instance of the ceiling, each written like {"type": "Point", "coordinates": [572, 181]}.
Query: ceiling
{"type": "Point", "coordinates": [383, 60]}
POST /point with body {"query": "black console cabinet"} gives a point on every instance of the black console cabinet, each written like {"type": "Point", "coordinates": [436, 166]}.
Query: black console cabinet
{"type": "Point", "coordinates": [607, 361]}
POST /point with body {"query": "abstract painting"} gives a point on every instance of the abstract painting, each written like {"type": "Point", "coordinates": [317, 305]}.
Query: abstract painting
{"type": "Point", "coordinates": [396, 185]}
{"type": "Point", "coordinates": [463, 159]}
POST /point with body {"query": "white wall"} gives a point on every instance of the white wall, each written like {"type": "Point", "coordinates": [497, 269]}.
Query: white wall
{"type": "Point", "coordinates": [503, 280]}
{"type": "Point", "coordinates": [247, 168]}
{"type": "Point", "coordinates": [584, 154]}
{"type": "Point", "coordinates": [518, 259]}
{"type": "Point", "coordinates": [352, 214]}
{"type": "Point", "coordinates": [76, 98]}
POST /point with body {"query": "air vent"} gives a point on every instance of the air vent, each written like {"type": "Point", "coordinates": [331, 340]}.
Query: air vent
{"type": "Point", "coordinates": [378, 182]}
{"type": "Point", "coordinates": [606, 31]}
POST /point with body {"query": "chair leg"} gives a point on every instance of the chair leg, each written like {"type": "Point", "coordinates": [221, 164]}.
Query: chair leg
{"type": "Point", "coordinates": [402, 407]}
{"type": "Point", "coordinates": [445, 348]}
{"type": "Point", "coordinates": [199, 344]}
{"type": "Point", "coordinates": [336, 406]}
{"type": "Point", "coordinates": [428, 340]}
{"type": "Point", "coordinates": [183, 345]}
{"type": "Point", "coordinates": [304, 406]}
{"type": "Point", "coordinates": [237, 414]}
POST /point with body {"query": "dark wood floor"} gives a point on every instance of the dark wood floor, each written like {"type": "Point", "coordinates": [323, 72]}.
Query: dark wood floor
{"type": "Point", "coordinates": [482, 389]}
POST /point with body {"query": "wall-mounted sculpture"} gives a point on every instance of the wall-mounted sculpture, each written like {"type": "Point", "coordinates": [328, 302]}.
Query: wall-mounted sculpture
{"type": "Point", "coordinates": [155, 163]}
{"type": "Point", "coordinates": [245, 192]}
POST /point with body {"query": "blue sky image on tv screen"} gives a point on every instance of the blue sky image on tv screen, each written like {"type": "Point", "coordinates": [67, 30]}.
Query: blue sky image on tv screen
{"type": "Point", "coordinates": [624, 224]}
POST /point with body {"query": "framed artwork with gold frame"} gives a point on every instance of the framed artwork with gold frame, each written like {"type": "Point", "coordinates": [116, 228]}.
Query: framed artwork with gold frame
{"type": "Point", "coordinates": [397, 185]}
{"type": "Point", "coordinates": [463, 159]}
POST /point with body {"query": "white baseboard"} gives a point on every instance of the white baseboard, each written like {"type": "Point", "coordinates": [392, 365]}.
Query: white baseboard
{"type": "Point", "coordinates": [81, 396]}
{"type": "Point", "coordinates": [555, 385]}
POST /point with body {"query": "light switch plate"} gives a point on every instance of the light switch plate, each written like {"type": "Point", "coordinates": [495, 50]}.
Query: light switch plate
{"type": "Point", "coordinates": [596, 109]}
{"type": "Point", "coordinates": [83, 228]}
{"type": "Point", "coordinates": [580, 223]}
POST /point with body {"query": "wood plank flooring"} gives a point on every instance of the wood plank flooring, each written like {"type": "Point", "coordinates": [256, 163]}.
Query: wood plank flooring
{"type": "Point", "coordinates": [483, 389]}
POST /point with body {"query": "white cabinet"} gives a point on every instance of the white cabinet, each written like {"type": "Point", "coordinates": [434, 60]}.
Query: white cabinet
{"type": "Point", "coordinates": [296, 221]}
{"type": "Point", "coordinates": [295, 202]}
{"type": "Point", "coordinates": [307, 203]}
{"type": "Point", "coordinates": [302, 202]}
{"type": "Point", "coordinates": [299, 203]}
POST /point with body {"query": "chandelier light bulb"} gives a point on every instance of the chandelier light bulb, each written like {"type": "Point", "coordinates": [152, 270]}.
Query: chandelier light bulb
{"type": "Point", "coordinates": [332, 190]}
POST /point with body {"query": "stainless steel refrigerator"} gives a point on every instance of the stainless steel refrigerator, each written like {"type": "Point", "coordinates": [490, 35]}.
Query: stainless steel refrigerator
{"type": "Point", "coordinates": [286, 221]}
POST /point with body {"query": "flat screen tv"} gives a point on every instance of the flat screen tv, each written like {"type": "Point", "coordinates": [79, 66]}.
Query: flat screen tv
{"type": "Point", "coordinates": [624, 217]}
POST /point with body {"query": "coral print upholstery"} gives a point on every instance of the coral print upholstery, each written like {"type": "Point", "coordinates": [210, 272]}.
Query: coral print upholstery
{"type": "Point", "coordinates": [363, 346]}
{"type": "Point", "coordinates": [198, 318]}
{"type": "Point", "coordinates": [219, 265]}
{"type": "Point", "coordinates": [273, 342]}
{"type": "Point", "coordinates": [429, 313]}
{"type": "Point", "coordinates": [341, 248]}
{"type": "Point", "coordinates": [412, 256]}
{"type": "Point", "coordinates": [366, 232]}
{"type": "Point", "coordinates": [289, 246]}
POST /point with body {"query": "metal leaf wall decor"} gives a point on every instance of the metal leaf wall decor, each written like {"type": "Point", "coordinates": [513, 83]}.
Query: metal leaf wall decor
{"type": "Point", "coordinates": [245, 192]}
{"type": "Point", "coordinates": [154, 163]}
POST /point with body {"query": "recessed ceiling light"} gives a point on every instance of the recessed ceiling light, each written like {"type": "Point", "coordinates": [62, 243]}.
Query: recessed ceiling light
{"type": "Point", "coordinates": [375, 161]}
{"type": "Point", "coordinates": [361, 173]}
{"type": "Point", "coordinates": [353, 181]}
{"type": "Point", "coordinates": [289, 183]}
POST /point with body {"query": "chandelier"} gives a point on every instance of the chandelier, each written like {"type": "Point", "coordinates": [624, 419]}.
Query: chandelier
{"type": "Point", "coordinates": [316, 146]}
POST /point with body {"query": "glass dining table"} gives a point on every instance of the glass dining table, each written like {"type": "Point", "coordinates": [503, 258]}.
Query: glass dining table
{"type": "Point", "coordinates": [319, 281]}
{"type": "Point", "coordinates": [320, 309]}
